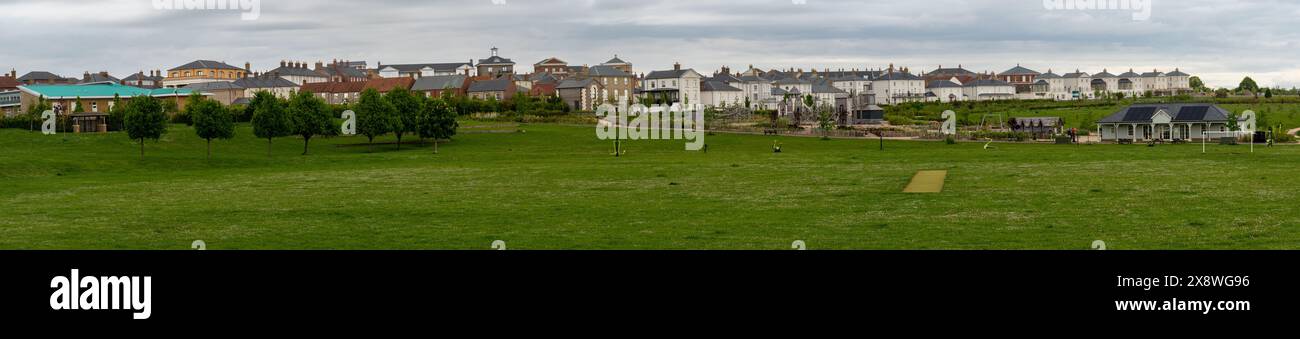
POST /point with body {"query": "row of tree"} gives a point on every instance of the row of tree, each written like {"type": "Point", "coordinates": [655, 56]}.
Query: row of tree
{"type": "Point", "coordinates": [400, 112]}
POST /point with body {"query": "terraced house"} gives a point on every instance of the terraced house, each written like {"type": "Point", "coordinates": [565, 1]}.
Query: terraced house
{"type": "Point", "coordinates": [200, 71]}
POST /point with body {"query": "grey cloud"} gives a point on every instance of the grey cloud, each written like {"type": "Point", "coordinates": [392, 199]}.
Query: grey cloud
{"type": "Point", "coordinates": [1221, 40]}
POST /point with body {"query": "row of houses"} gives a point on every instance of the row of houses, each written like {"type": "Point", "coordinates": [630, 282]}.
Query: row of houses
{"type": "Point", "coordinates": [585, 87]}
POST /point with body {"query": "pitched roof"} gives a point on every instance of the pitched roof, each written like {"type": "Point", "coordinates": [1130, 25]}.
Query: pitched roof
{"type": "Point", "coordinates": [717, 86]}
{"type": "Point", "coordinates": [140, 76]}
{"type": "Point", "coordinates": [39, 75]}
{"type": "Point", "coordinates": [669, 74]}
{"type": "Point", "coordinates": [958, 70]}
{"type": "Point", "coordinates": [551, 61]}
{"type": "Point", "coordinates": [1049, 75]}
{"type": "Point", "coordinates": [1178, 113]}
{"type": "Point", "coordinates": [826, 89]}
{"type": "Point", "coordinates": [213, 86]}
{"type": "Point", "coordinates": [898, 76]}
{"type": "Point", "coordinates": [383, 85]}
{"type": "Point", "coordinates": [983, 83]}
{"type": "Point", "coordinates": [495, 60]}
{"type": "Point", "coordinates": [494, 85]}
{"type": "Point", "coordinates": [543, 78]}
{"type": "Point", "coordinates": [1152, 74]}
{"type": "Point", "coordinates": [265, 82]}
{"type": "Point", "coordinates": [1177, 73]}
{"type": "Point", "coordinates": [334, 87]}
{"type": "Point", "coordinates": [1019, 71]}
{"type": "Point", "coordinates": [440, 82]}
{"type": "Point", "coordinates": [616, 61]}
{"type": "Point", "coordinates": [574, 83]}
{"type": "Point", "coordinates": [606, 71]}
{"type": "Point", "coordinates": [205, 64]}
{"type": "Point", "coordinates": [1103, 74]}
{"type": "Point", "coordinates": [1077, 74]}
{"type": "Point", "coordinates": [285, 71]}
{"type": "Point", "coordinates": [98, 77]}
{"type": "Point", "coordinates": [942, 84]}
{"type": "Point", "coordinates": [1129, 74]}
{"type": "Point", "coordinates": [436, 67]}
{"type": "Point", "coordinates": [726, 78]}
{"type": "Point", "coordinates": [341, 70]}
{"type": "Point", "coordinates": [99, 90]}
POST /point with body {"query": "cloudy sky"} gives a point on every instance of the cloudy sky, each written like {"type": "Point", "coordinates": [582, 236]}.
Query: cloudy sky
{"type": "Point", "coordinates": [1219, 40]}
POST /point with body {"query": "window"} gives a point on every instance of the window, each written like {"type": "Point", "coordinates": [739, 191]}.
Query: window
{"type": "Point", "coordinates": [94, 106]}
{"type": "Point", "coordinates": [199, 73]}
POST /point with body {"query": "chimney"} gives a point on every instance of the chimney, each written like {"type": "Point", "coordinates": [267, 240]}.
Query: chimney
{"type": "Point", "coordinates": [320, 65]}
{"type": "Point", "coordinates": [677, 66]}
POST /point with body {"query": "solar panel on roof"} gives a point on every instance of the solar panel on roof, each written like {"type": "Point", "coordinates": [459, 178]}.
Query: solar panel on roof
{"type": "Point", "coordinates": [1192, 113]}
{"type": "Point", "coordinates": [1139, 114]}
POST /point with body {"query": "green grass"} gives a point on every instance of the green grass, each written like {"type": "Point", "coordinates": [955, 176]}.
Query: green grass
{"type": "Point", "coordinates": [557, 187]}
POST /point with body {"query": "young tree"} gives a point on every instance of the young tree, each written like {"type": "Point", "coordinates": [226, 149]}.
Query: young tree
{"type": "Point", "coordinates": [269, 121]}
{"type": "Point", "coordinates": [436, 120]}
{"type": "Point", "coordinates": [80, 107]}
{"type": "Point", "coordinates": [145, 120]}
{"type": "Point", "coordinates": [407, 106]}
{"type": "Point", "coordinates": [210, 119]}
{"type": "Point", "coordinates": [825, 122]}
{"type": "Point", "coordinates": [375, 116]}
{"type": "Point", "coordinates": [309, 116]}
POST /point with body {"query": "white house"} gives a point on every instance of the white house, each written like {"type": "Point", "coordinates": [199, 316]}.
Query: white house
{"type": "Point", "coordinates": [985, 90]}
{"type": "Point", "coordinates": [720, 94]}
{"type": "Point", "coordinates": [426, 70]}
{"type": "Point", "coordinates": [945, 91]}
{"type": "Point", "coordinates": [894, 87]}
{"type": "Point", "coordinates": [675, 86]}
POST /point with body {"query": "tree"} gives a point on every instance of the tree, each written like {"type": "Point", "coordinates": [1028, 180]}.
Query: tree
{"type": "Point", "coordinates": [436, 120]}
{"type": "Point", "coordinates": [269, 121]}
{"type": "Point", "coordinates": [1196, 84]}
{"type": "Point", "coordinates": [210, 119]}
{"type": "Point", "coordinates": [407, 106]}
{"type": "Point", "coordinates": [145, 120]}
{"type": "Point", "coordinates": [309, 116]}
{"type": "Point", "coordinates": [1268, 93]}
{"type": "Point", "coordinates": [80, 107]}
{"type": "Point", "coordinates": [375, 116]}
{"type": "Point", "coordinates": [1249, 84]}
{"type": "Point", "coordinates": [824, 121]}
{"type": "Point", "coordinates": [34, 112]}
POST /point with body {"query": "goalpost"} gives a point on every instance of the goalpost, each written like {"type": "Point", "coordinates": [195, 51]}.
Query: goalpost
{"type": "Point", "coordinates": [1205, 136]}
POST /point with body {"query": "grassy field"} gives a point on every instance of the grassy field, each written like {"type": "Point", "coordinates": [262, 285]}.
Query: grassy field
{"type": "Point", "coordinates": [557, 187]}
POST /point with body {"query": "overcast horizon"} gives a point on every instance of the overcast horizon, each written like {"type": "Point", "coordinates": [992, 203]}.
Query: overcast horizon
{"type": "Point", "coordinates": [1220, 41]}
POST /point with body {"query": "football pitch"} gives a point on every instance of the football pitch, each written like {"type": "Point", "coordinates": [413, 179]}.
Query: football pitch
{"type": "Point", "coordinates": [558, 187]}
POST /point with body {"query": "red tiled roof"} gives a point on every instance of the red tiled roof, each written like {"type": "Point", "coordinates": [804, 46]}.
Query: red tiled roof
{"type": "Point", "coordinates": [9, 83]}
{"type": "Point", "coordinates": [387, 84]}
